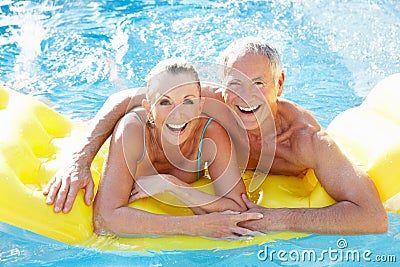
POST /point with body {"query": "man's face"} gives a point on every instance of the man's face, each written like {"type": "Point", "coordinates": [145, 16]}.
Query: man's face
{"type": "Point", "coordinates": [251, 91]}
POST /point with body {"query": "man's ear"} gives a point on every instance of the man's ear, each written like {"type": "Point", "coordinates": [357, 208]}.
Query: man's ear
{"type": "Point", "coordinates": [281, 81]}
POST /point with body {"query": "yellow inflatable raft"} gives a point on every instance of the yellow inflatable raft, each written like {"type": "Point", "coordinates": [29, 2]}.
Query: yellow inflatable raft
{"type": "Point", "coordinates": [35, 141]}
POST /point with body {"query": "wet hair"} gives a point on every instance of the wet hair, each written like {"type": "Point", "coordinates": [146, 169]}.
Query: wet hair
{"type": "Point", "coordinates": [256, 46]}
{"type": "Point", "coordinates": [173, 66]}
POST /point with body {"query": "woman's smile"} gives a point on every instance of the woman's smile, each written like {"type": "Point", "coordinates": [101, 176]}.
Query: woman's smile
{"type": "Point", "coordinates": [176, 128]}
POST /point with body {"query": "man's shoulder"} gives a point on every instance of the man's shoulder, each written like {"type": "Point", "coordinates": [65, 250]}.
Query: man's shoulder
{"type": "Point", "coordinates": [294, 113]}
{"type": "Point", "coordinates": [211, 92]}
{"type": "Point", "coordinates": [290, 105]}
{"type": "Point", "coordinates": [291, 109]}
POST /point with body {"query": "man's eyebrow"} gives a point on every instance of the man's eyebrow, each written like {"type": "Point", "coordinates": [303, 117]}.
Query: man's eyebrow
{"type": "Point", "coordinates": [232, 78]}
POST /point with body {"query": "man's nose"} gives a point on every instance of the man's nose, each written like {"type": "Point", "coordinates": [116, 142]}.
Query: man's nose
{"type": "Point", "coordinates": [245, 91]}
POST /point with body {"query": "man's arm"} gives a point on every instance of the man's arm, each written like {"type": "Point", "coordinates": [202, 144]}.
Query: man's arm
{"type": "Point", "coordinates": [62, 189]}
{"type": "Point", "coordinates": [65, 185]}
{"type": "Point", "coordinates": [358, 209]}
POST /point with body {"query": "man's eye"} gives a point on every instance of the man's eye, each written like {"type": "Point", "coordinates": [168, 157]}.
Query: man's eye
{"type": "Point", "coordinates": [259, 84]}
{"type": "Point", "coordinates": [164, 102]}
{"type": "Point", "coordinates": [188, 101]}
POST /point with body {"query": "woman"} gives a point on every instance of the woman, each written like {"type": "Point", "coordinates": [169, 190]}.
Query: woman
{"type": "Point", "coordinates": [166, 154]}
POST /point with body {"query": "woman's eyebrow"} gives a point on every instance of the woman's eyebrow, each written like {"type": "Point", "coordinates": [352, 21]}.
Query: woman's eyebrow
{"type": "Point", "coordinates": [165, 96]}
{"type": "Point", "coordinates": [189, 96]}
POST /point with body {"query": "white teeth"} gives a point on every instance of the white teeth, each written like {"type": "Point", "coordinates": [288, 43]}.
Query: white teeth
{"type": "Point", "coordinates": [249, 109]}
{"type": "Point", "coordinates": [176, 126]}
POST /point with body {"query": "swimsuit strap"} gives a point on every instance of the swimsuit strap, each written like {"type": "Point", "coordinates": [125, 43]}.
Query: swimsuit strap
{"type": "Point", "coordinates": [200, 147]}
{"type": "Point", "coordinates": [144, 134]}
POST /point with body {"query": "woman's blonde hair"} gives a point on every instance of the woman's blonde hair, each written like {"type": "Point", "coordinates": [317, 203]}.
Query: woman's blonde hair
{"type": "Point", "coordinates": [173, 66]}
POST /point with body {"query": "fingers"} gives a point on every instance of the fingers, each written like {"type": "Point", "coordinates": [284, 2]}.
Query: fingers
{"type": "Point", "coordinates": [285, 135]}
{"type": "Point", "coordinates": [135, 197]}
{"type": "Point", "coordinates": [245, 232]}
{"type": "Point", "coordinates": [132, 198]}
{"type": "Point", "coordinates": [61, 197]}
{"type": "Point", "coordinates": [51, 190]}
{"type": "Point", "coordinates": [46, 189]}
{"type": "Point", "coordinates": [69, 198]}
{"type": "Point", "coordinates": [230, 212]}
{"type": "Point", "coordinates": [136, 194]}
{"type": "Point", "coordinates": [248, 202]}
{"type": "Point", "coordinates": [248, 216]}
{"type": "Point", "coordinates": [89, 192]}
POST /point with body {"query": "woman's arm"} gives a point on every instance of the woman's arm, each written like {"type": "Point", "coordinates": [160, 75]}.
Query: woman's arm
{"type": "Point", "coordinates": [223, 167]}
{"type": "Point", "coordinates": [224, 172]}
{"type": "Point", "coordinates": [198, 201]}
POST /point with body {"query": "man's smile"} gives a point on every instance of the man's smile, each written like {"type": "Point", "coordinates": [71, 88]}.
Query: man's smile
{"type": "Point", "coordinates": [250, 109]}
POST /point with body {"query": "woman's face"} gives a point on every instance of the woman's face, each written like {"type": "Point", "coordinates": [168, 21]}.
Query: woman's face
{"type": "Point", "coordinates": [178, 105]}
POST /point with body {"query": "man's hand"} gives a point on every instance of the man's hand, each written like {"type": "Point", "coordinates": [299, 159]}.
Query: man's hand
{"type": "Point", "coordinates": [225, 224]}
{"type": "Point", "coordinates": [257, 225]}
{"type": "Point", "coordinates": [65, 185]}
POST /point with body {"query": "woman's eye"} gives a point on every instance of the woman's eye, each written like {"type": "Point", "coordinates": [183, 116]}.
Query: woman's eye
{"type": "Point", "coordinates": [234, 83]}
{"type": "Point", "coordinates": [164, 102]}
{"type": "Point", "coordinates": [188, 101]}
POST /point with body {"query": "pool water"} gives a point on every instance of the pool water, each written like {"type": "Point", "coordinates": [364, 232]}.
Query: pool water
{"type": "Point", "coordinates": [333, 53]}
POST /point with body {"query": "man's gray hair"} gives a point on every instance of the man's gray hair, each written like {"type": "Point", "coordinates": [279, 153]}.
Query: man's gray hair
{"type": "Point", "coordinates": [256, 46]}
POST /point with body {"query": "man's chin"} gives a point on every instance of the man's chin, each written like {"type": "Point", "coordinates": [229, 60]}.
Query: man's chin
{"type": "Point", "coordinates": [249, 125]}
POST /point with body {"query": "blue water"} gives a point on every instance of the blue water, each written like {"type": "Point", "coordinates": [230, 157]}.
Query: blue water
{"type": "Point", "coordinates": [333, 52]}
{"type": "Point", "coordinates": [22, 248]}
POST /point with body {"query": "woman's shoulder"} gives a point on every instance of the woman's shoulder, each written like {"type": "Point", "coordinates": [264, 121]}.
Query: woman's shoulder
{"type": "Point", "coordinates": [130, 133]}
{"type": "Point", "coordinates": [133, 121]}
{"type": "Point", "coordinates": [139, 113]}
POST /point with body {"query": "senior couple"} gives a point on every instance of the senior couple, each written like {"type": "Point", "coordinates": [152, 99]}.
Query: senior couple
{"type": "Point", "coordinates": [162, 140]}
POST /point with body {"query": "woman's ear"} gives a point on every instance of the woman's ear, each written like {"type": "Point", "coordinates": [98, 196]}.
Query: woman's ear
{"type": "Point", "coordinates": [201, 102]}
{"type": "Point", "coordinates": [146, 105]}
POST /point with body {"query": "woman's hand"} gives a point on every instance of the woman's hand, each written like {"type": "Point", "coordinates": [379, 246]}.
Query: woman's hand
{"type": "Point", "coordinates": [147, 186]}
{"type": "Point", "coordinates": [225, 224]}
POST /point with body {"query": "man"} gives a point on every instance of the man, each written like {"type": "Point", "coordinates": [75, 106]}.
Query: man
{"type": "Point", "coordinates": [254, 81]}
